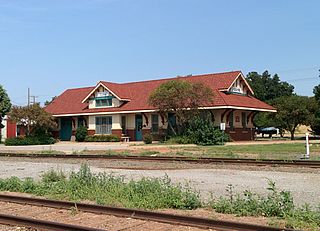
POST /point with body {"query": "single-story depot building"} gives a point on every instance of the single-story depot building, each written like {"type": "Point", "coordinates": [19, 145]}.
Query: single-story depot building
{"type": "Point", "coordinates": [122, 108]}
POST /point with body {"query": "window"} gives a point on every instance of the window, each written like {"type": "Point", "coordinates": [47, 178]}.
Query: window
{"type": "Point", "coordinates": [103, 125]}
{"type": "Point", "coordinates": [244, 119]}
{"type": "Point", "coordinates": [231, 121]}
{"type": "Point", "coordinates": [154, 123]}
{"type": "Point", "coordinates": [103, 102]}
{"type": "Point", "coordinates": [123, 124]}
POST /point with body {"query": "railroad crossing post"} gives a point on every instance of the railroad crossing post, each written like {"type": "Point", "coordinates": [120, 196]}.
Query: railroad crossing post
{"type": "Point", "coordinates": [307, 146]}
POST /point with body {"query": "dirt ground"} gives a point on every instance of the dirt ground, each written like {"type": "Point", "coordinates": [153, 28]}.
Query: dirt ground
{"type": "Point", "coordinates": [107, 222]}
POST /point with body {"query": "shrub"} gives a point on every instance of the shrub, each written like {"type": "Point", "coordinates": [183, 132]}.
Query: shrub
{"type": "Point", "coordinates": [147, 138]}
{"type": "Point", "coordinates": [102, 138]}
{"type": "Point", "coordinates": [203, 132]}
{"type": "Point", "coordinates": [81, 133]}
{"type": "Point", "coordinates": [30, 140]}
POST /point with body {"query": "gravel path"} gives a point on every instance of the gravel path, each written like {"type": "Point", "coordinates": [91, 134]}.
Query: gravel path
{"type": "Point", "coordinates": [305, 186]}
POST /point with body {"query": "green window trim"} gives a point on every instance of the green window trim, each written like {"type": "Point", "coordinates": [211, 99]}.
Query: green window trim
{"type": "Point", "coordinates": [103, 102]}
{"type": "Point", "coordinates": [154, 123]}
{"type": "Point", "coordinates": [104, 125]}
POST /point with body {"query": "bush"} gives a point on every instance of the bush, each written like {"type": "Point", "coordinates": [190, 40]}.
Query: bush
{"type": "Point", "coordinates": [147, 138]}
{"type": "Point", "coordinates": [30, 140]}
{"type": "Point", "coordinates": [102, 138]}
{"type": "Point", "coordinates": [203, 132]}
{"type": "Point", "coordinates": [81, 133]}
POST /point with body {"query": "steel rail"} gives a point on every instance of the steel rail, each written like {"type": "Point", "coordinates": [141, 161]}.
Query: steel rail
{"type": "Point", "coordinates": [140, 214]}
{"type": "Point", "coordinates": [41, 224]}
{"type": "Point", "coordinates": [200, 160]}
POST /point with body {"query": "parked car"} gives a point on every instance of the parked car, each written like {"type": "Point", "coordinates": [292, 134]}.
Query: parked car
{"type": "Point", "coordinates": [268, 130]}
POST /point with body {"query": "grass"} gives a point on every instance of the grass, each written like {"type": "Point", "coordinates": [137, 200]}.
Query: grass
{"type": "Point", "coordinates": [161, 193]}
{"type": "Point", "coordinates": [49, 152]}
{"type": "Point", "coordinates": [147, 193]}
{"type": "Point", "coordinates": [258, 151]}
{"type": "Point", "coordinates": [277, 205]}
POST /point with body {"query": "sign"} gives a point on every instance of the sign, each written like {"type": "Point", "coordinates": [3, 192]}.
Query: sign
{"type": "Point", "coordinates": [235, 90]}
{"type": "Point", "coordinates": [102, 94]}
{"type": "Point", "coordinates": [222, 126]}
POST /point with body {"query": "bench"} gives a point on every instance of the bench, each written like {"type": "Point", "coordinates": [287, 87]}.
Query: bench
{"type": "Point", "coordinates": [125, 138]}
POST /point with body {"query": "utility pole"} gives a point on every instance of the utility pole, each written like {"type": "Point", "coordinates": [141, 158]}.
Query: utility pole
{"type": "Point", "coordinates": [33, 98]}
{"type": "Point", "coordinates": [28, 96]}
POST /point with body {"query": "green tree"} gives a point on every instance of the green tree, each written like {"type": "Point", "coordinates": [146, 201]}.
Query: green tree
{"type": "Point", "coordinates": [315, 125]}
{"type": "Point", "coordinates": [268, 88]}
{"type": "Point", "coordinates": [293, 111]}
{"type": "Point", "coordinates": [34, 118]}
{"type": "Point", "coordinates": [47, 102]}
{"type": "Point", "coordinates": [5, 104]}
{"type": "Point", "coordinates": [181, 97]}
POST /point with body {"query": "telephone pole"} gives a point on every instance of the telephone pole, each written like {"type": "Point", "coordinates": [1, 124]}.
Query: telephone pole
{"type": "Point", "coordinates": [28, 96]}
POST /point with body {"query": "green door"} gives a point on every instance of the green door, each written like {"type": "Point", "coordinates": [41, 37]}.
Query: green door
{"type": "Point", "coordinates": [138, 127]}
{"type": "Point", "coordinates": [66, 129]}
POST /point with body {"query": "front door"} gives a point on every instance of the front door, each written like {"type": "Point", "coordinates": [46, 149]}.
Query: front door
{"type": "Point", "coordinates": [138, 127]}
{"type": "Point", "coordinates": [66, 129]}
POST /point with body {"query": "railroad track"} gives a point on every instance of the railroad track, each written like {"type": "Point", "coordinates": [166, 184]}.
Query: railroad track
{"type": "Point", "coordinates": [41, 224]}
{"type": "Point", "coordinates": [120, 212]}
{"type": "Point", "coordinates": [201, 160]}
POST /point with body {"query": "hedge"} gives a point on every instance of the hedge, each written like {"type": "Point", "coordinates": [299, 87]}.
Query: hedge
{"type": "Point", "coordinates": [29, 140]}
{"type": "Point", "coordinates": [102, 138]}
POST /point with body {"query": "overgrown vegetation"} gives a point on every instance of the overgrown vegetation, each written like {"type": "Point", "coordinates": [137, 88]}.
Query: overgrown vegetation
{"type": "Point", "coordinates": [102, 138]}
{"type": "Point", "coordinates": [200, 130]}
{"type": "Point", "coordinates": [276, 203]}
{"type": "Point", "coordinates": [157, 193]}
{"type": "Point", "coordinates": [103, 188]}
{"type": "Point", "coordinates": [81, 133]}
{"type": "Point", "coordinates": [30, 140]}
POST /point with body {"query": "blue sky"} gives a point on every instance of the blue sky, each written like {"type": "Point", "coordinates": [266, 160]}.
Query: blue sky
{"type": "Point", "coordinates": [50, 46]}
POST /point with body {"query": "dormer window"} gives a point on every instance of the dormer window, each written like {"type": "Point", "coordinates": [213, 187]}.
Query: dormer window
{"type": "Point", "coordinates": [103, 101]}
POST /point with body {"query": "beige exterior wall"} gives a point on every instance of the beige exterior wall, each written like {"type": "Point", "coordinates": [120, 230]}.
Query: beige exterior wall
{"type": "Point", "coordinates": [130, 120]}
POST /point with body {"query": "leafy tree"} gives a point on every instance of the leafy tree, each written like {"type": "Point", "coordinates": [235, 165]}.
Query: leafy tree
{"type": "Point", "coordinates": [5, 104]}
{"type": "Point", "coordinates": [268, 88]}
{"type": "Point", "coordinates": [181, 97]}
{"type": "Point", "coordinates": [47, 102]}
{"type": "Point", "coordinates": [315, 125]}
{"type": "Point", "coordinates": [34, 118]}
{"type": "Point", "coordinates": [294, 110]}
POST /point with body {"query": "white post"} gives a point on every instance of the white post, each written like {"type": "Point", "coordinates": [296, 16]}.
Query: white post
{"type": "Point", "coordinates": [307, 146]}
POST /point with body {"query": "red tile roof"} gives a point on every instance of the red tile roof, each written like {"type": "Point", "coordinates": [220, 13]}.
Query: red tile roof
{"type": "Point", "coordinates": [69, 102]}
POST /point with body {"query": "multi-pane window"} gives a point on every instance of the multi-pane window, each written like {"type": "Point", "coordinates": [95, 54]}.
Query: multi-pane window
{"type": "Point", "coordinates": [244, 119]}
{"type": "Point", "coordinates": [154, 123]}
{"type": "Point", "coordinates": [103, 125]}
{"type": "Point", "coordinates": [105, 102]}
{"type": "Point", "coordinates": [123, 124]}
{"type": "Point", "coordinates": [231, 122]}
